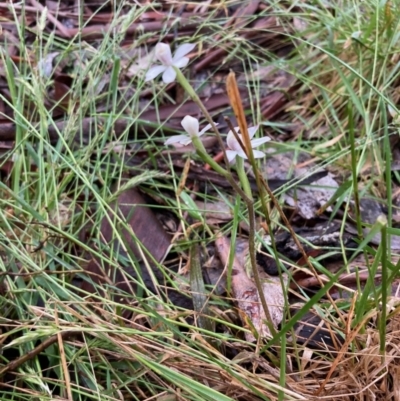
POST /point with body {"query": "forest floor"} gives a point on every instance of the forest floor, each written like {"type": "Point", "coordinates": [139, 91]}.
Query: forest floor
{"type": "Point", "coordinates": [140, 266]}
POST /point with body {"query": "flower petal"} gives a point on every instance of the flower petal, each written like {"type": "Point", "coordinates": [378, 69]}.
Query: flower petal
{"type": "Point", "coordinates": [232, 142]}
{"type": "Point", "coordinates": [190, 125]}
{"type": "Point", "coordinates": [230, 155]}
{"type": "Point", "coordinates": [242, 154]}
{"type": "Point", "coordinates": [257, 154]}
{"type": "Point", "coordinates": [182, 50]}
{"type": "Point", "coordinates": [163, 54]}
{"type": "Point", "coordinates": [205, 129]}
{"type": "Point", "coordinates": [259, 141]}
{"type": "Point", "coordinates": [169, 75]}
{"type": "Point", "coordinates": [187, 141]}
{"type": "Point", "coordinates": [182, 62]}
{"type": "Point", "coordinates": [153, 72]}
{"type": "Point", "coordinates": [177, 139]}
{"type": "Point", "coordinates": [252, 130]}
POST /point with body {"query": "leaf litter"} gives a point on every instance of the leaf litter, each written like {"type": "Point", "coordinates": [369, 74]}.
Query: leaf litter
{"type": "Point", "coordinates": [138, 232]}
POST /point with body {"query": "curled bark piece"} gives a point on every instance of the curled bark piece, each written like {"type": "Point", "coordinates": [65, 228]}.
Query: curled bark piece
{"type": "Point", "coordinates": [247, 297]}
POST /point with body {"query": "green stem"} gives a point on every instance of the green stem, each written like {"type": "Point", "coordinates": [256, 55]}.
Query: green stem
{"type": "Point", "coordinates": [243, 177]}
{"type": "Point", "coordinates": [201, 151]}
{"type": "Point", "coordinates": [384, 289]}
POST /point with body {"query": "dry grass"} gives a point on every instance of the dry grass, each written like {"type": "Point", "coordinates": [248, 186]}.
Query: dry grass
{"type": "Point", "coordinates": [69, 123]}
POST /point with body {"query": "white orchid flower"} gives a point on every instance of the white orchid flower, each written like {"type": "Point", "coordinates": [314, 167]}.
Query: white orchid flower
{"type": "Point", "coordinates": [234, 148]}
{"type": "Point", "coordinates": [163, 54]}
{"type": "Point", "coordinates": [191, 126]}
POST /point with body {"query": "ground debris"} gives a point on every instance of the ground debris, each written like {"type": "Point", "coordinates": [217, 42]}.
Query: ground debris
{"type": "Point", "coordinates": [246, 295]}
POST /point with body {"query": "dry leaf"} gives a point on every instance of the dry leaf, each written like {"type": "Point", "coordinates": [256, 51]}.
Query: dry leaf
{"type": "Point", "coordinates": [247, 296]}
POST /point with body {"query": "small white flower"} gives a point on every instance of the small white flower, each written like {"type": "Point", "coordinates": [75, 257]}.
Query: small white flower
{"type": "Point", "coordinates": [191, 126]}
{"type": "Point", "coordinates": [234, 148]}
{"type": "Point", "coordinates": [163, 54]}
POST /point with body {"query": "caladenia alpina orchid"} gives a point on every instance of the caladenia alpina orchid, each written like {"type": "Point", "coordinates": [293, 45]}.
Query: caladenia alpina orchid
{"type": "Point", "coordinates": [163, 54]}
{"type": "Point", "coordinates": [191, 126]}
{"type": "Point", "coordinates": [235, 149]}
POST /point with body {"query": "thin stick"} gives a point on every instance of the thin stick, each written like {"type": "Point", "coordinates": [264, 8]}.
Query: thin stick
{"type": "Point", "coordinates": [16, 363]}
{"type": "Point", "coordinates": [234, 98]}
{"type": "Point", "coordinates": [63, 359]}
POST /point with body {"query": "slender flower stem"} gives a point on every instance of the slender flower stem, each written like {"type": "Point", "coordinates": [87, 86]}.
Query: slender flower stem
{"type": "Point", "coordinates": [201, 151]}
{"type": "Point", "coordinates": [243, 177]}
{"type": "Point", "coordinates": [382, 220]}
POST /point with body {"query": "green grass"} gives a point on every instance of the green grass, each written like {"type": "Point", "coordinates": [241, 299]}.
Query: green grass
{"type": "Point", "coordinates": [344, 62]}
